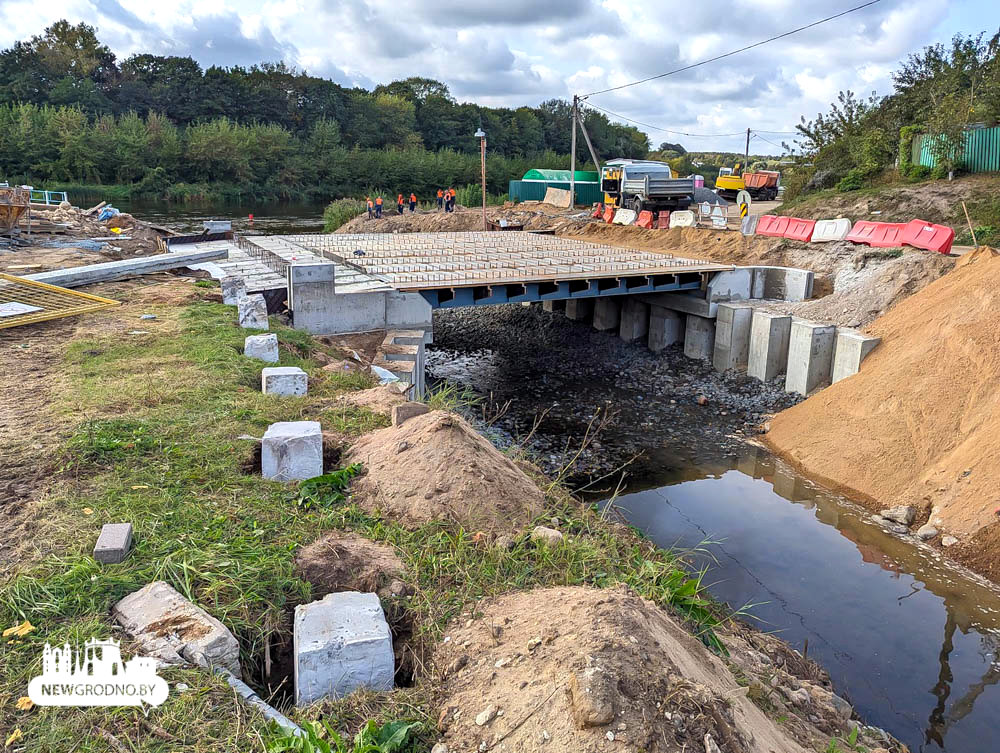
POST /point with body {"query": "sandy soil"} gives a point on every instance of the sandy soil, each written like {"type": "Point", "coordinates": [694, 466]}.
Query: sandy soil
{"type": "Point", "coordinates": [580, 670]}
{"type": "Point", "coordinates": [918, 424]}
{"type": "Point", "coordinates": [437, 467]}
{"type": "Point", "coordinates": [340, 561]}
{"type": "Point", "coordinates": [534, 215]}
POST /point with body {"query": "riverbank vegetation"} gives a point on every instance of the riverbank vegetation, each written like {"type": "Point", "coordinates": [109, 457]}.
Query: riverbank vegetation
{"type": "Point", "coordinates": [868, 141]}
{"type": "Point", "coordinates": [160, 126]}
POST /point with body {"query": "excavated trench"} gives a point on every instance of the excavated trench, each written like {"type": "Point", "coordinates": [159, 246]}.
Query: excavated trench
{"type": "Point", "coordinates": [908, 638]}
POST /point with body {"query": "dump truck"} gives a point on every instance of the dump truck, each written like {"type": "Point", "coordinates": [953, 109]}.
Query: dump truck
{"type": "Point", "coordinates": [645, 185]}
{"type": "Point", "coordinates": [760, 184]}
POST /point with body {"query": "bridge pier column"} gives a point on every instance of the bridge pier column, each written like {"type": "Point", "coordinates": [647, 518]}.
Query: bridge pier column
{"type": "Point", "coordinates": [666, 328]}
{"type": "Point", "coordinates": [699, 337]}
{"type": "Point", "coordinates": [579, 309]}
{"type": "Point", "coordinates": [634, 320]}
{"type": "Point", "coordinates": [554, 306]}
{"type": "Point", "coordinates": [607, 314]}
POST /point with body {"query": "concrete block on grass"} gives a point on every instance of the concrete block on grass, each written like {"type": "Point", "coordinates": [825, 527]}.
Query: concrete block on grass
{"type": "Point", "coordinates": [114, 543]}
{"type": "Point", "coordinates": [252, 312]}
{"type": "Point", "coordinates": [292, 451]}
{"type": "Point", "coordinates": [341, 643]}
{"type": "Point", "coordinates": [769, 334]}
{"type": "Point", "coordinates": [810, 356]}
{"type": "Point", "coordinates": [405, 411]}
{"type": "Point", "coordinates": [261, 347]}
{"type": "Point", "coordinates": [666, 328]}
{"type": "Point", "coordinates": [289, 381]}
{"type": "Point", "coordinates": [732, 337]}
{"type": "Point", "coordinates": [851, 349]}
{"type": "Point", "coordinates": [234, 289]}
{"type": "Point", "coordinates": [699, 337]}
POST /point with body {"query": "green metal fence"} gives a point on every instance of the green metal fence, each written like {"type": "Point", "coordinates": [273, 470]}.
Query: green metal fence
{"type": "Point", "coordinates": [982, 150]}
{"type": "Point", "coordinates": [534, 190]}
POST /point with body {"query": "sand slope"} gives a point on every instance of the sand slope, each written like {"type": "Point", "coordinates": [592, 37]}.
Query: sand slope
{"type": "Point", "coordinates": [919, 424]}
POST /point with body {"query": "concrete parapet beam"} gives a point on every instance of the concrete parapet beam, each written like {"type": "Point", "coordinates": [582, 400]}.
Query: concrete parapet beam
{"type": "Point", "coordinates": [686, 303]}
{"type": "Point", "coordinates": [731, 285]}
{"type": "Point", "coordinates": [666, 328]}
{"type": "Point", "coordinates": [769, 335]}
{"type": "Point", "coordinates": [607, 313]}
{"type": "Point", "coordinates": [579, 309]}
{"type": "Point", "coordinates": [292, 451]}
{"type": "Point", "coordinates": [810, 356]}
{"type": "Point", "coordinates": [699, 337]}
{"type": "Point", "coordinates": [634, 320]}
{"type": "Point", "coordinates": [340, 644]}
{"type": "Point", "coordinates": [732, 336]}
{"type": "Point", "coordinates": [852, 347]}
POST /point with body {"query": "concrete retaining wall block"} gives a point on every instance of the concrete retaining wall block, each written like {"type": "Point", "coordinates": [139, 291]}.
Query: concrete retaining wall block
{"type": "Point", "coordinates": [810, 356]}
{"type": "Point", "coordinates": [852, 347]}
{"type": "Point", "coordinates": [769, 335]}
{"type": "Point", "coordinates": [699, 337]}
{"type": "Point", "coordinates": [732, 336]}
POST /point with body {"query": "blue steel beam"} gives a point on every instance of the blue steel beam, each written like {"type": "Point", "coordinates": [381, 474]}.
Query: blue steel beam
{"type": "Point", "coordinates": [449, 298]}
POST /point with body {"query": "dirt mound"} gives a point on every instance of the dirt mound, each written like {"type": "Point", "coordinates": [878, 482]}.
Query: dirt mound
{"type": "Point", "coordinates": [341, 561]}
{"type": "Point", "coordinates": [575, 669]}
{"type": "Point", "coordinates": [437, 467]}
{"type": "Point", "coordinates": [533, 215]}
{"type": "Point", "coordinates": [379, 399]}
{"type": "Point", "coordinates": [918, 424]}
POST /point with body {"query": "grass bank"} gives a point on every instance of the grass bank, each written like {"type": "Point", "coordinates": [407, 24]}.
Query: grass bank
{"type": "Point", "coordinates": [158, 420]}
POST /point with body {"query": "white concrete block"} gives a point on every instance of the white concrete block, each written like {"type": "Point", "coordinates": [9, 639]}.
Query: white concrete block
{"type": "Point", "coordinates": [193, 635]}
{"type": "Point", "coordinates": [288, 381]}
{"type": "Point", "coordinates": [634, 320]}
{"type": "Point", "coordinates": [261, 347]}
{"type": "Point", "coordinates": [607, 313]}
{"type": "Point", "coordinates": [810, 356]}
{"type": "Point", "coordinates": [831, 230]}
{"type": "Point", "coordinates": [666, 328]}
{"type": "Point", "coordinates": [769, 335]}
{"type": "Point", "coordinates": [341, 643]}
{"type": "Point", "coordinates": [252, 312]}
{"type": "Point", "coordinates": [852, 347]}
{"type": "Point", "coordinates": [114, 543]}
{"type": "Point", "coordinates": [732, 336]}
{"type": "Point", "coordinates": [292, 451]}
{"type": "Point", "coordinates": [234, 288]}
{"type": "Point", "coordinates": [699, 337]}
{"type": "Point", "coordinates": [624, 217]}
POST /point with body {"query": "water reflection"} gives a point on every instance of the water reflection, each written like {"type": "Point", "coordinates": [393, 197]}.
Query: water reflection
{"type": "Point", "coordinates": [907, 637]}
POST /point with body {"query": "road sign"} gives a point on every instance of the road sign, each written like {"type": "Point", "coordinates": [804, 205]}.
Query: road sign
{"type": "Point", "coordinates": [743, 197]}
{"type": "Point", "coordinates": [719, 219]}
{"type": "Point", "coordinates": [744, 210]}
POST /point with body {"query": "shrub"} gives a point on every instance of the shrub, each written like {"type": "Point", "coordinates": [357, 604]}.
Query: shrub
{"type": "Point", "coordinates": [853, 181]}
{"type": "Point", "coordinates": [340, 212]}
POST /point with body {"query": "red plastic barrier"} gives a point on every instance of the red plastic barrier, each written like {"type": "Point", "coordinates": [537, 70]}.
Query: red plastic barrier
{"type": "Point", "coordinates": [773, 226]}
{"type": "Point", "coordinates": [799, 230]}
{"type": "Point", "coordinates": [609, 215]}
{"type": "Point", "coordinates": [925, 235]}
{"type": "Point", "coordinates": [598, 210]}
{"type": "Point", "coordinates": [877, 234]}
{"type": "Point", "coordinates": [663, 220]}
{"type": "Point", "coordinates": [645, 219]}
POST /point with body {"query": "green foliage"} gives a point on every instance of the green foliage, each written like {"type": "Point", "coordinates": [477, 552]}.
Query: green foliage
{"type": "Point", "coordinates": [471, 195]}
{"type": "Point", "coordinates": [853, 181]}
{"type": "Point", "coordinates": [340, 212]}
{"type": "Point", "coordinates": [450, 396]}
{"type": "Point", "coordinates": [108, 441]}
{"type": "Point", "coordinates": [320, 737]}
{"type": "Point", "coordinates": [329, 489]}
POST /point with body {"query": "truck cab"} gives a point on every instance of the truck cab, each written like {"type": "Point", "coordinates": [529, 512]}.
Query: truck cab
{"type": "Point", "coordinates": [645, 185]}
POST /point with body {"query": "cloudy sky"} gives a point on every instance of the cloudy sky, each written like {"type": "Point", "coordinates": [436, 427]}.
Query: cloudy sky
{"type": "Point", "coordinates": [514, 52]}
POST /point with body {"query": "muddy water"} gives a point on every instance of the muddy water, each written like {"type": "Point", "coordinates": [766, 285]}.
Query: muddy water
{"type": "Point", "coordinates": [911, 641]}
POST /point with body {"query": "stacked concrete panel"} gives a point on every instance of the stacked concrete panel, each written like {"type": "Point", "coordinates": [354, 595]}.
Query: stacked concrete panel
{"type": "Point", "coordinates": [769, 336]}
{"type": "Point", "coordinates": [403, 353]}
{"type": "Point", "coordinates": [732, 336]}
{"type": "Point", "coordinates": [810, 356]}
{"type": "Point", "coordinates": [852, 347]}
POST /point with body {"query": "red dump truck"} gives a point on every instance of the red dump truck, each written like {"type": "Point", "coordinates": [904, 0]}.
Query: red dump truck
{"type": "Point", "coordinates": [762, 184]}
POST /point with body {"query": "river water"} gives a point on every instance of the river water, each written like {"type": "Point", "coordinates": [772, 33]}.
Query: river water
{"type": "Point", "coordinates": [910, 640]}
{"type": "Point", "coordinates": [269, 218]}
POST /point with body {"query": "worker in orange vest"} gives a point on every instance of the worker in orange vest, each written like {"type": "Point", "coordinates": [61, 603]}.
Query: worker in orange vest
{"type": "Point", "coordinates": [378, 208]}
{"type": "Point", "coordinates": [440, 198]}
{"type": "Point", "coordinates": [413, 202]}
{"type": "Point", "coordinates": [399, 203]}
{"type": "Point", "coordinates": [371, 206]}
{"type": "Point", "coordinates": [449, 204]}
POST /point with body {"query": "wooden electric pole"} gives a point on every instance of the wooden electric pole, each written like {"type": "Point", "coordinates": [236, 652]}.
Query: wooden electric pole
{"type": "Point", "coordinates": [746, 156]}
{"type": "Point", "coordinates": [572, 156]}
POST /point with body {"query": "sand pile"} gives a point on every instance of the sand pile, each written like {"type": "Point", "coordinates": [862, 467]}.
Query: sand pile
{"type": "Point", "coordinates": [379, 399]}
{"type": "Point", "coordinates": [437, 467]}
{"type": "Point", "coordinates": [341, 561]}
{"type": "Point", "coordinates": [573, 670]}
{"type": "Point", "coordinates": [918, 424]}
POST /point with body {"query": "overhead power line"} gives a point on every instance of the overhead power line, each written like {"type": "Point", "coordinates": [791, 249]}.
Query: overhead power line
{"type": "Point", "coordinates": [733, 52]}
{"type": "Point", "coordinates": [665, 130]}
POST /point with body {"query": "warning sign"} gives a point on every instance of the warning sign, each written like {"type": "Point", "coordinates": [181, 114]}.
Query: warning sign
{"type": "Point", "coordinates": [744, 210]}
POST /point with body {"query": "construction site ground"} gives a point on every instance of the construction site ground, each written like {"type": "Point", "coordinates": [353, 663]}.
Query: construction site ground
{"type": "Point", "coordinates": [111, 417]}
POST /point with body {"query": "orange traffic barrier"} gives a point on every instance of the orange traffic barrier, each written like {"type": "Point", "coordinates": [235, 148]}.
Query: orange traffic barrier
{"type": "Point", "coordinates": [799, 230]}
{"type": "Point", "coordinates": [645, 219]}
{"type": "Point", "coordinates": [926, 235]}
{"type": "Point", "coordinates": [773, 226]}
{"type": "Point", "coordinates": [663, 220]}
{"type": "Point", "coordinates": [609, 215]}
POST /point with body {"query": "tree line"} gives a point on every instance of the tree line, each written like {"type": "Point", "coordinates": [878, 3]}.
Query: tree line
{"type": "Point", "coordinates": [941, 90]}
{"type": "Point", "coordinates": [71, 112]}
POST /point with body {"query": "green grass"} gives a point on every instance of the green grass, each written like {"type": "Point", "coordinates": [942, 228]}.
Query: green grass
{"type": "Point", "coordinates": [157, 443]}
{"type": "Point", "coordinates": [342, 211]}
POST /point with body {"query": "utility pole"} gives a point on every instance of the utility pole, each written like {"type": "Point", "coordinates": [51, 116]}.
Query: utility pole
{"type": "Point", "coordinates": [572, 156]}
{"type": "Point", "coordinates": [482, 156]}
{"type": "Point", "coordinates": [746, 157]}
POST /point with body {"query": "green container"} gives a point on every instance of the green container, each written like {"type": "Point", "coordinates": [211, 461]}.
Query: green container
{"type": "Point", "coordinates": [521, 190]}
{"type": "Point", "coordinates": [562, 176]}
